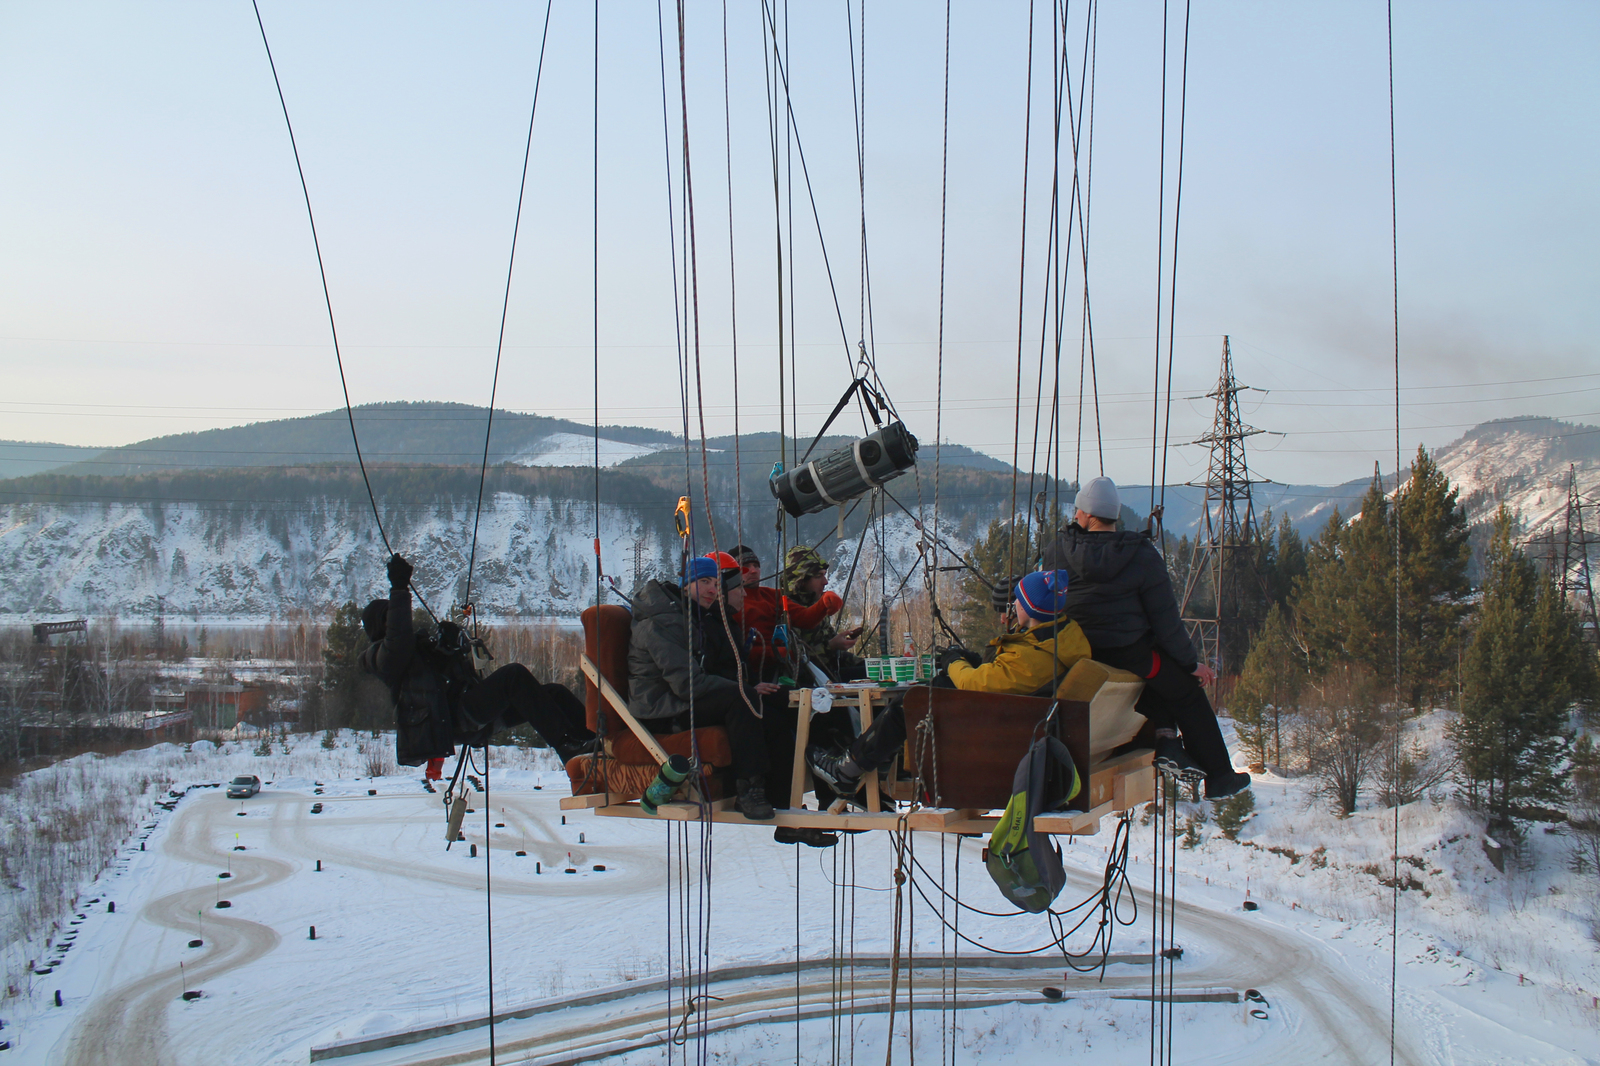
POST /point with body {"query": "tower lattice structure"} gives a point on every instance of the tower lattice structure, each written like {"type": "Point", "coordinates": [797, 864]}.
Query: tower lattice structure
{"type": "Point", "coordinates": [1228, 533]}
{"type": "Point", "coordinates": [1570, 557]}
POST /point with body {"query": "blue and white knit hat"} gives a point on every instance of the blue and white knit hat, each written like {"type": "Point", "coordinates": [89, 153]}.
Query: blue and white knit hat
{"type": "Point", "coordinates": [1043, 593]}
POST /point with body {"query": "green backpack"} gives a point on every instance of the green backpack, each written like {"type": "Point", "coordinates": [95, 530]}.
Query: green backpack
{"type": "Point", "coordinates": [1025, 864]}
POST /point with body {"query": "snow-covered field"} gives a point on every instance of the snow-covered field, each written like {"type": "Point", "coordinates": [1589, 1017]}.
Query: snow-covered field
{"type": "Point", "coordinates": [1491, 967]}
{"type": "Point", "coordinates": [573, 449]}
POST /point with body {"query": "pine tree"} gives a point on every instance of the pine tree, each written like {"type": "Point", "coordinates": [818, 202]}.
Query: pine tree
{"type": "Point", "coordinates": [1006, 550]}
{"type": "Point", "coordinates": [1274, 674]}
{"type": "Point", "coordinates": [1521, 676]}
{"type": "Point", "coordinates": [1434, 553]}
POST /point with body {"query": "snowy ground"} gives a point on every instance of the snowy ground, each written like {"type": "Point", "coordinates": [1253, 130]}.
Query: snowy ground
{"type": "Point", "coordinates": [573, 449]}
{"type": "Point", "coordinates": [1491, 967]}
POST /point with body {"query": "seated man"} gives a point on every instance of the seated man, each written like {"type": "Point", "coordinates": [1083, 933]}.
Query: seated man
{"type": "Point", "coordinates": [440, 701]}
{"type": "Point", "coordinates": [1122, 597]}
{"type": "Point", "coordinates": [1027, 663]}
{"type": "Point", "coordinates": [762, 605]}
{"type": "Point", "coordinates": [684, 672]}
{"type": "Point", "coordinates": [805, 581]}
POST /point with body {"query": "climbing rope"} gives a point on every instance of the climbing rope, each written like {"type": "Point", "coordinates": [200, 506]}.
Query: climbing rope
{"type": "Point", "coordinates": [327, 299]}
{"type": "Point", "coordinates": [1394, 266]}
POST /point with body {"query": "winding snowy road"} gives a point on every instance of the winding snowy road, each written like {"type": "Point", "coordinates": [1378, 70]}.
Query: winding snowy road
{"type": "Point", "coordinates": [389, 877]}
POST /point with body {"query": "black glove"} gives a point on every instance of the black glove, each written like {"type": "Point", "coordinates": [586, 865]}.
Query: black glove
{"type": "Point", "coordinates": [1002, 595]}
{"type": "Point", "coordinates": [952, 655]}
{"type": "Point", "coordinates": [399, 572]}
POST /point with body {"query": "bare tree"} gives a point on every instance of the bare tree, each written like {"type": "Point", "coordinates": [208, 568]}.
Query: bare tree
{"type": "Point", "coordinates": [1341, 734]}
{"type": "Point", "coordinates": [1407, 773]}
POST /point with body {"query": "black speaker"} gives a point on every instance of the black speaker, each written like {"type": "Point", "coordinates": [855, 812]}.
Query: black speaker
{"type": "Point", "coordinates": [848, 472]}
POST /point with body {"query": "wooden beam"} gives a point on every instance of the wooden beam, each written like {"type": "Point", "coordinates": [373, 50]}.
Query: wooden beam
{"type": "Point", "coordinates": [586, 802]}
{"type": "Point", "coordinates": [1085, 822]}
{"type": "Point", "coordinates": [620, 705]}
{"type": "Point", "coordinates": [1103, 776]}
{"type": "Point", "coordinates": [689, 812]}
{"type": "Point", "coordinates": [812, 819]}
{"type": "Point", "coordinates": [939, 817]}
{"type": "Point", "coordinates": [800, 775]}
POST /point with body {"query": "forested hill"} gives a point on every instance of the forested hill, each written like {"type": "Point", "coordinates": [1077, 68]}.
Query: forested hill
{"type": "Point", "coordinates": [409, 433]}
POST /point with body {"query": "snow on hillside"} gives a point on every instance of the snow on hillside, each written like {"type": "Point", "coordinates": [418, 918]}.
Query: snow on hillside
{"type": "Point", "coordinates": [1492, 967]}
{"type": "Point", "coordinates": [573, 449]}
{"type": "Point", "coordinates": [535, 557]}
{"type": "Point", "coordinates": [1524, 464]}
{"type": "Point", "coordinates": [246, 564]}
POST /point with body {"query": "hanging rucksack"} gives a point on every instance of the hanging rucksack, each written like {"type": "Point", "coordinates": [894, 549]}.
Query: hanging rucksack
{"type": "Point", "coordinates": [1025, 864]}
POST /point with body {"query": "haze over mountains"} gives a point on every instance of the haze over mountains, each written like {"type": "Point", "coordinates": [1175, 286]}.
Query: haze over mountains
{"type": "Point", "coordinates": [272, 519]}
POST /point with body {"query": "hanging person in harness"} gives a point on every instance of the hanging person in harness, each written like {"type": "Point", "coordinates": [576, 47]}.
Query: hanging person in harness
{"type": "Point", "coordinates": [1027, 663]}
{"type": "Point", "coordinates": [1121, 595]}
{"type": "Point", "coordinates": [440, 700]}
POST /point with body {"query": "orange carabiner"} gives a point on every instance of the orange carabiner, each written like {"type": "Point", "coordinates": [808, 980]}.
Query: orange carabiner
{"type": "Point", "coordinates": [681, 517]}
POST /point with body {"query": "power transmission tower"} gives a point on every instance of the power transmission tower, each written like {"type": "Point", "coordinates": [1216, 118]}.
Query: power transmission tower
{"type": "Point", "coordinates": [638, 562]}
{"type": "Point", "coordinates": [1572, 560]}
{"type": "Point", "coordinates": [1227, 531]}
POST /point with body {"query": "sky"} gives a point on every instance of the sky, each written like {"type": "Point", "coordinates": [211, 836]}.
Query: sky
{"type": "Point", "coordinates": [157, 271]}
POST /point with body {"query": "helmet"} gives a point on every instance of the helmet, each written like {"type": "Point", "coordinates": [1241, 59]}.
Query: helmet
{"type": "Point", "coordinates": [723, 560]}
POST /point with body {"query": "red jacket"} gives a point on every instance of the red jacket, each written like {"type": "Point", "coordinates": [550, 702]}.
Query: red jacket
{"type": "Point", "coordinates": [762, 606]}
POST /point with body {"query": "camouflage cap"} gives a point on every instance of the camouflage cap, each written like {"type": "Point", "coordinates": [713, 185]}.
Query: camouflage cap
{"type": "Point", "coordinates": [803, 562]}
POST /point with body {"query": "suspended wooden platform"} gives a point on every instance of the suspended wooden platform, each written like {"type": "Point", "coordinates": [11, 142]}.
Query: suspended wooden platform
{"type": "Point", "coordinates": [965, 759]}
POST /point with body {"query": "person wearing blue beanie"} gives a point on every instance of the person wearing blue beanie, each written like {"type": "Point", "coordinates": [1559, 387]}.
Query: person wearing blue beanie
{"type": "Point", "coordinates": [688, 667]}
{"type": "Point", "coordinates": [1031, 662]}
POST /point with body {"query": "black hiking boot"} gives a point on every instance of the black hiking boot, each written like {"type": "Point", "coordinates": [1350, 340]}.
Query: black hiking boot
{"type": "Point", "coordinates": [752, 801]}
{"type": "Point", "coordinates": [1223, 785]}
{"type": "Point", "coordinates": [838, 770]}
{"type": "Point", "coordinates": [810, 836]}
{"type": "Point", "coordinates": [1173, 761]}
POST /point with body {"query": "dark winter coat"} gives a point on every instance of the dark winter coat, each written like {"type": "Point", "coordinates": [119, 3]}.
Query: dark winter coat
{"type": "Point", "coordinates": [1119, 591]}
{"type": "Point", "coordinates": [664, 667]}
{"type": "Point", "coordinates": [424, 694]}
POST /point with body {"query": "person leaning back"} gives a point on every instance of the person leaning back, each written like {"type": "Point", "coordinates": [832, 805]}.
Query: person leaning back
{"type": "Point", "coordinates": [1121, 595]}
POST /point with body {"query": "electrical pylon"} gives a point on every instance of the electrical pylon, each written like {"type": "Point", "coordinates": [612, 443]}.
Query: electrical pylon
{"type": "Point", "coordinates": [1571, 559]}
{"type": "Point", "coordinates": [1228, 526]}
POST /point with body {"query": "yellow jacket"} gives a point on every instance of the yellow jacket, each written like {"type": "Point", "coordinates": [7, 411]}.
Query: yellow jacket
{"type": "Point", "coordinates": [1025, 662]}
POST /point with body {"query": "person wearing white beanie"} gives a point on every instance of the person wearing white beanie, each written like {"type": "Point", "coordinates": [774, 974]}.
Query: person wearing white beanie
{"type": "Point", "coordinates": [1121, 595]}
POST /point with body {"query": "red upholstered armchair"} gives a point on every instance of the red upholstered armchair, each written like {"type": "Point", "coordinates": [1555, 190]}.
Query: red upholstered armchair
{"type": "Point", "coordinates": [628, 767]}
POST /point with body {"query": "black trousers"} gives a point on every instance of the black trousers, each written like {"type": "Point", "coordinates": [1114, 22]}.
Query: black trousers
{"type": "Point", "coordinates": [512, 696]}
{"type": "Point", "coordinates": [1173, 699]}
{"type": "Point", "coordinates": [762, 747]}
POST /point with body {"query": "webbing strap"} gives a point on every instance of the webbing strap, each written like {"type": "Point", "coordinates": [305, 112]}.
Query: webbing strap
{"type": "Point", "coordinates": [867, 394]}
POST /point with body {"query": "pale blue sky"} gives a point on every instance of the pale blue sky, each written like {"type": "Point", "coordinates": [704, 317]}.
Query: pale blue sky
{"type": "Point", "coordinates": [157, 273]}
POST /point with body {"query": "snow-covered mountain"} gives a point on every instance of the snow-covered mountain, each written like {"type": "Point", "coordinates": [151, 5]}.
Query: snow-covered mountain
{"type": "Point", "coordinates": [252, 545]}
{"type": "Point", "coordinates": [535, 557]}
{"type": "Point", "coordinates": [1524, 463]}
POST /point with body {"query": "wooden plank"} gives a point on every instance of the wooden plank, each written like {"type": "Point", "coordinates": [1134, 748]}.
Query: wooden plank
{"type": "Point", "coordinates": [620, 705]}
{"type": "Point", "coordinates": [1103, 776]}
{"type": "Point", "coordinates": [800, 775]}
{"type": "Point", "coordinates": [583, 803]}
{"type": "Point", "coordinates": [688, 812]}
{"type": "Point", "coordinates": [939, 817]}
{"type": "Point", "coordinates": [1140, 787]}
{"type": "Point", "coordinates": [869, 780]}
{"type": "Point", "coordinates": [1072, 823]}
{"type": "Point", "coordinates": [814, 819]}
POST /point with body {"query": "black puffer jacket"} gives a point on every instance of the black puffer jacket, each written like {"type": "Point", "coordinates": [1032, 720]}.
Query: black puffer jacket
{"type": "Point", "coordinates": [1119, 591]}
{"type": "Point", "coordinates": [663, 666]}
{"type": "Point", "coordinates": [424, 696]}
